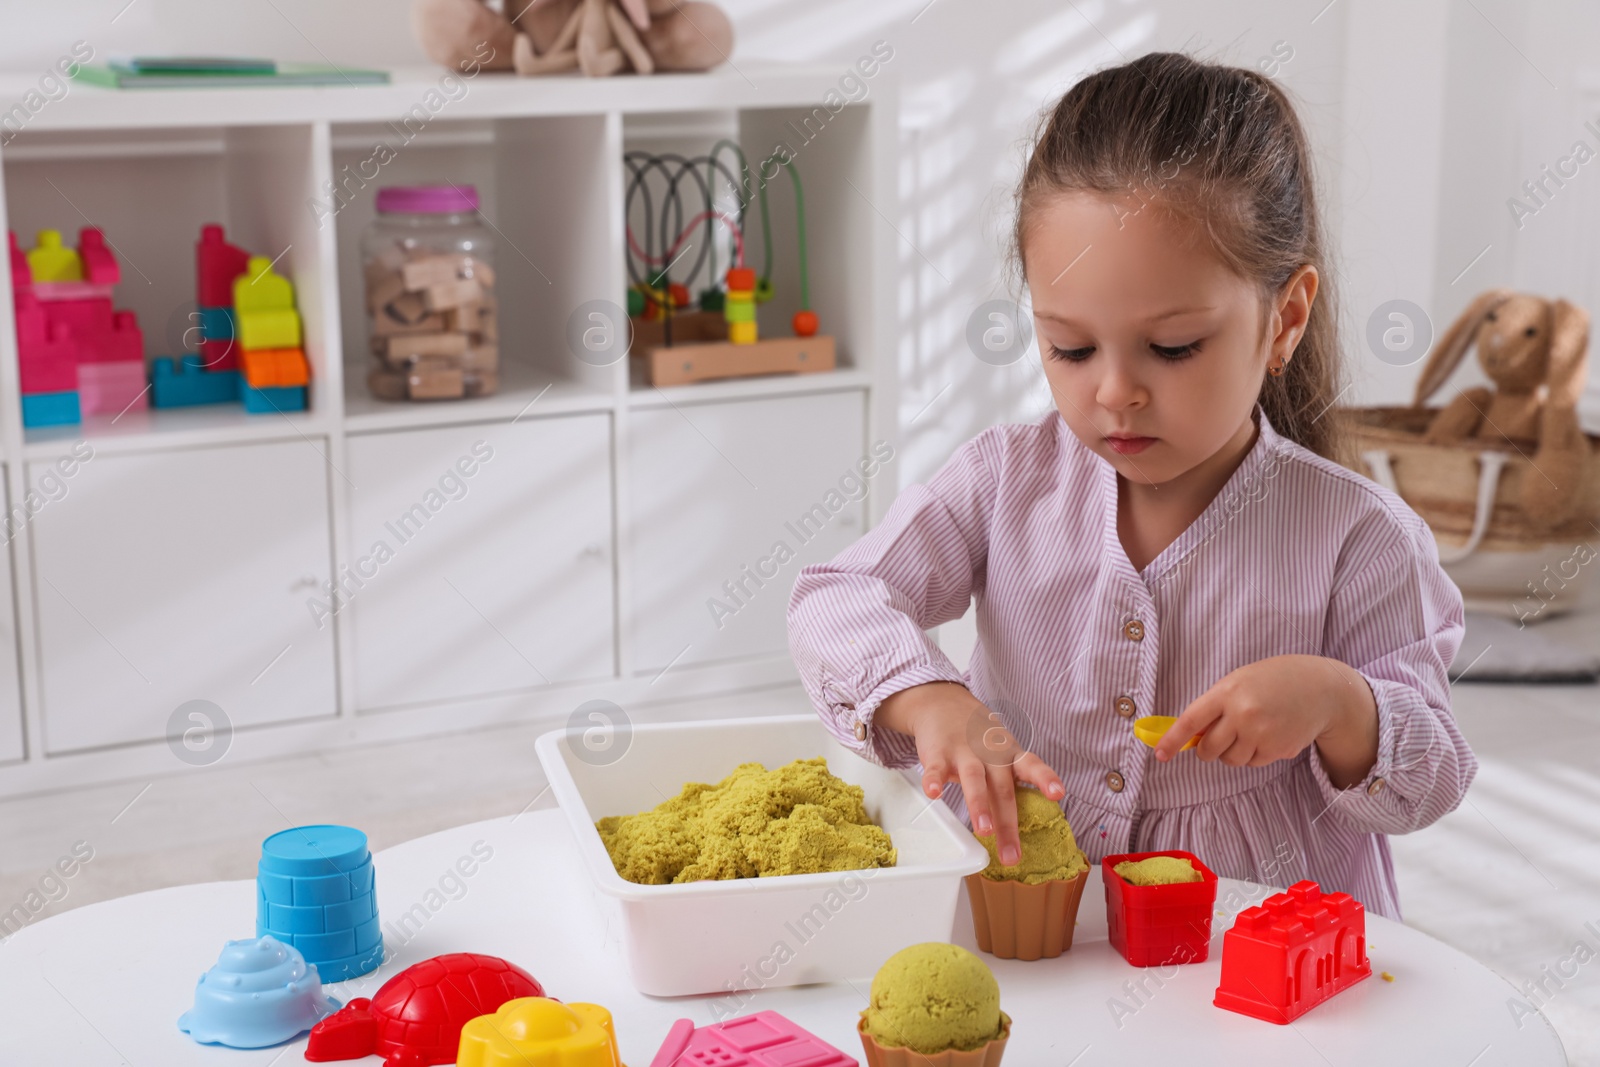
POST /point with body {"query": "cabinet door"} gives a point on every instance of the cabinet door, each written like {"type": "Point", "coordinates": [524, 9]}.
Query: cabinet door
{"type": "Point", "coordinates": [486, 557]}
{"type": "Point", "coordinates": [729, 501]}
{"type": "Point", "coordinates": [10, 682]}
{"type": "Point", "coordinates": [169, 577]}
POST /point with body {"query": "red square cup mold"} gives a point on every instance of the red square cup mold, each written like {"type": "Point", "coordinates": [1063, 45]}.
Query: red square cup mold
{"type": "Point", "coordinates": [1154, 925]}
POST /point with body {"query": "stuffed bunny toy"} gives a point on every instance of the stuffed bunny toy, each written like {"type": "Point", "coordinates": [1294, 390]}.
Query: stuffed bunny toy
{"type": "Point", "coordinates": [597, 37]}
{"type": "Point", "coordinates": [1535, 351]}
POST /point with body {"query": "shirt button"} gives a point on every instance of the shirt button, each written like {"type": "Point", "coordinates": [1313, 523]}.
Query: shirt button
{"type": "Point", "coordinates": [861, 731]}
{"type": "Point", "coordinates": [1114, 781]}
{"type": "Point", "coordinates": [1133, 630]}
{"type": "Point", "coordinates": [1376, 787]}
{"type": "Point", "coordinates": [1126, 707]}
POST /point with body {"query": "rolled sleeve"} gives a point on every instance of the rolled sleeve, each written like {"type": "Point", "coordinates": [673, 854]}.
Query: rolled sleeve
{"type": "Point", "coordinates": [858, 624]}
{"type": "Point", "coordinates": [1399, 622]}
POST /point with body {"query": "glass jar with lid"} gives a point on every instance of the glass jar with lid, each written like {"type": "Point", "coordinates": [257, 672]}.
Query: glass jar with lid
{"type": "Point", "coordinates": [428, 261]}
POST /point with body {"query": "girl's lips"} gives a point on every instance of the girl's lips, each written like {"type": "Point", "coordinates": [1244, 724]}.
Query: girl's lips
{"type": "Point", "coordinates": [1130, 446]}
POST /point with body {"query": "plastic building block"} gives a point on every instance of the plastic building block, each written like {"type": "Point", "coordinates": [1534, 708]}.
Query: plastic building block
{"type": "Point", "coordinates": [50, 409]}
{"type": "Point", "coordinates": [540, 1030]}
{"type": "Point", "coordinates": [52, 261]}
{"type": "Point", "coordinates": [416, 1017]}
{"type": "Point", "coordinates": [112, 388]}
{"type": "Point", "coordinates": [260, 288]}
{"type": "Point", "coordinates": [267, 329]}
{"type": "Point", "coordinates": [1154, 925]}
{"type": "Point", "coordinates": [216, 324]}
{"type": "Point", "coordinates": [47, 358]}
{"type": "Point", "coordinates": [185, 384]}
{"type": "Point", "coordinates": [261, 992]}
{"type": "Point", "coordinates": [273, 398]}
{"type": "Point", "coordinates": [21, 274]}
{"type": "Point", "coordinates": [219, 355]}
{"type": "Point", "coordinates": [342, 939]}
{"type": "Point", "coordinates": [275, 366]}
{"type": "Point", "coordinates": [217, 264]}
{"type": "Point", "coordinates": [765, 1039]}
{"type": "Point", "coordinates": [1293, 951]}
{"type": "Point", "coordinates": [100, 266]}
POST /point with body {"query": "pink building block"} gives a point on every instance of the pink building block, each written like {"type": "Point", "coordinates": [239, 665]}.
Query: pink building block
{"type": "Point", "coordinates": [1293, 951]}
{"type": "Point", "coordinates": [217, 264]}
{"type": "Point", "coordinates": [100, 266]}
{"type": "Point", "coordinates": [112, 388]}
{"type": "Point", "coordinates": [21, 275]}
{"type": "Point", "coordinates": [46, 356]}
{"type": "Point", "coordinates": [765, 1039]}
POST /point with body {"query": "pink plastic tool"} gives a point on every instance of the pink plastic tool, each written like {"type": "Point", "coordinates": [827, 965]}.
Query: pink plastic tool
{"type": "Point", "coordinates": [765, 1039]}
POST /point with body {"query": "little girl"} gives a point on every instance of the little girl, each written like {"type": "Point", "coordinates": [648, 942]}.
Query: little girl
{"type": "Point", "coordinates": [1176, 538]}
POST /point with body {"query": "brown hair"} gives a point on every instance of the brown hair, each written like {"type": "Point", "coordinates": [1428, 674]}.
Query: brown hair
{"type": "Point", "coordinates": [1220, 146]}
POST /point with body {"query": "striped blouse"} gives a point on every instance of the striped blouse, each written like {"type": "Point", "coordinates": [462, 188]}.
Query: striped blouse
{"type": "Point", "coordinates": [1296, 554]}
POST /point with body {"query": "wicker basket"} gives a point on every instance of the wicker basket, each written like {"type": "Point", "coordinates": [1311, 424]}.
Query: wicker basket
{"type": "Point", "coordinates": [1504, 560]}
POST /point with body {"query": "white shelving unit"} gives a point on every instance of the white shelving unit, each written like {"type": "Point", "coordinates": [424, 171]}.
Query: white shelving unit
{"type": "Point", "coordinates": [183, 560]}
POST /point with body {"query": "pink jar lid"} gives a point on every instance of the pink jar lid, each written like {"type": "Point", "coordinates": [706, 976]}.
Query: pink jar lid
{"type": "Point", "coordinates": [428, 199]}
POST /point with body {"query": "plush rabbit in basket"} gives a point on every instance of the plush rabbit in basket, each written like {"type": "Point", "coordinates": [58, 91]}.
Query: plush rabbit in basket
{"type": "Point", "coordinates": [1535, 351]}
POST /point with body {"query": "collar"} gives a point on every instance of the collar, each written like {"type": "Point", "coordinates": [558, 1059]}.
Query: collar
{"type": "Point", "coordinates": [1249, 482]}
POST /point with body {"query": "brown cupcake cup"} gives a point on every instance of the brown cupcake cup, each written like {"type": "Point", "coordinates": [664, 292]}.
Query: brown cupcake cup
{"type": "Point", "coordinates": [1017, 921]}
{"type": "Point", "coordinates": [985, 1055]}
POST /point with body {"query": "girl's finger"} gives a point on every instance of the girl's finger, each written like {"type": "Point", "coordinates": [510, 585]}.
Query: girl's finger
{"type": "Point", "coordinates": [935, 773]}
{"type": "Point", "coordinates": [1239, 753]}
{"type": "Point", "coordinates": [975, 787]}
{"type": "Point", "coordinates": [1035, 771]}
{"type": "Point", "coordinates": [1003, 806]}
{"type": "Point", "coordinates": [1219, 735]}
{"type": "Point", "coordinates": [1196, 719]}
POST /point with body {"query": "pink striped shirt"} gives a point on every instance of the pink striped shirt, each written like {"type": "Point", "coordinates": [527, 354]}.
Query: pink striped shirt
{"type": "Point", "coordinates": [1296, 554]}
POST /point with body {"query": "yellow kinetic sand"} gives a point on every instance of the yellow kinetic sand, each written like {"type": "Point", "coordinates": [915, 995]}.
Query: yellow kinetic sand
{"type": "Point", "coordinates": [1049, 851]}
{"type": "Point", "coordinates": [934, 997]}
{"type": "Point", "coordinates": [1158, 870]}
{"type": "Point", "coordinates": [755, 823]}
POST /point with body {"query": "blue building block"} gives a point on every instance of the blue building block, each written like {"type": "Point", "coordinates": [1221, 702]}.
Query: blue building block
{"type": "Point", "coordinates": [216, 324]}
{"type": "Point", "coordinates": [266, 400]}
{"type": "Point", "coordinates": [187, 384]}
{"type": "Point", "coordinates": [50, 409]}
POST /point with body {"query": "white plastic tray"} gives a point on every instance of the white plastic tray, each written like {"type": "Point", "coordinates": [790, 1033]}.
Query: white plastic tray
{"type": "Point", "coordinates": [755, 933]}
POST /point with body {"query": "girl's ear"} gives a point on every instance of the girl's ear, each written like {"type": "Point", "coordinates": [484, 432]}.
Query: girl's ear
{"type": "Point", "coordinates": [1569, 345]}
{"type": "Point", "coordinates": [1446, 356]}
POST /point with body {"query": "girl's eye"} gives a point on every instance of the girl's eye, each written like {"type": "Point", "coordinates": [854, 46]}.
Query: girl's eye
{"type": "Point", "coordinates": [1174, 354]}
{"type": "Point", "coordinates": [1071, 355]}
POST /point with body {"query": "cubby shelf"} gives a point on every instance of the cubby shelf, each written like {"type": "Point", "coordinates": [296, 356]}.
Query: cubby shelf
{"type": "Point", "coordinates": [184, 561]}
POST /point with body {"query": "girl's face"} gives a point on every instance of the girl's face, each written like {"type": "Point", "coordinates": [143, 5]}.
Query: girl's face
{"type": "Point", "coordinates": [1154, 351]}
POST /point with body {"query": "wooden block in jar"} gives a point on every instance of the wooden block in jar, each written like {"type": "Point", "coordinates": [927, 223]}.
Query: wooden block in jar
{"type": "Point", "coordinates": [482, 383]}
{"type": "Point", "coordinates": [382, 288]}
{"type": "Point", "coordinates": [480, 358]}
{"type": "Point", "coordinates": [406, 314]}
{"type": "Point", "coordinates": [452, 294]}
{"type": "Point", "coordinates": [387, 385]}
{"type": "Point", "coordinates": [431, 379]}
{"type": "Point", "coordinates": [408, 347]}
{"type": "Point", "coordinates": [432, 270]}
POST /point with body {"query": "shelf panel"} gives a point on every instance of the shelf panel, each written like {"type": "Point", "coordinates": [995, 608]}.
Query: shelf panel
{"type": "Point", "coordinates": [208, 424]}
{"type": "Point", "coordinates": [524, 390]}
{"type": "Point", "coordinates": [488, 95]}
{"type": "Point", "coordinates": [648, 396]}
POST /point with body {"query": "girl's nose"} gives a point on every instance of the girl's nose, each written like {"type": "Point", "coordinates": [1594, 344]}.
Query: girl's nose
{"type": "Point", "coordinates": [1118, 389]}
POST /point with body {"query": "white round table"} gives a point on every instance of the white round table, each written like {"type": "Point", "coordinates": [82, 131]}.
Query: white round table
{"type": "Point", "coordinates": [105, 984]}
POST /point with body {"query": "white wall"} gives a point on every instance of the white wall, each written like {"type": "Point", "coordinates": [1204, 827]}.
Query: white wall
{"type": "Point", "coordinates": [1425, 117]}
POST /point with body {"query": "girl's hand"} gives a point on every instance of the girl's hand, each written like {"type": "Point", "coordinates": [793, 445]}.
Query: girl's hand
{"type": "Point", "coordinates": [1272, 709]}
{"type": "Point", "coordinates": [961, 740]}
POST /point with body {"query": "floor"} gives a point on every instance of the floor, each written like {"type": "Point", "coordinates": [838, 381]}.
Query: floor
{"type": "Point", "coordinates": [1512, 877]}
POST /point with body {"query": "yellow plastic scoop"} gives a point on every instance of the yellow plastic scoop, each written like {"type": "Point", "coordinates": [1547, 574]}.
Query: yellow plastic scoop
{"type": "Point", "coordinates": [1152, 728]}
